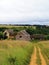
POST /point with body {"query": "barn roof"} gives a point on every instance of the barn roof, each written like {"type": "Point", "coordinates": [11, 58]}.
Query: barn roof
{"type": "Point", "coordinates": [23, 35]}
{"type": "Point", "coordinates": [10, 31]}
{"type": "Point", "coordinates": [23, 32]}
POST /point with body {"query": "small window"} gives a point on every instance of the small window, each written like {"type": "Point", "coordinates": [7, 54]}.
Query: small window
{"type": "Point", "coordinates": [20, 36]}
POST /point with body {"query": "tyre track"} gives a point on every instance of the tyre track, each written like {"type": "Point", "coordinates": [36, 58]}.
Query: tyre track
{"type": "Point", "coordinates": [33, 58]}
{"type": "Point", "coordinates": [43, 62]}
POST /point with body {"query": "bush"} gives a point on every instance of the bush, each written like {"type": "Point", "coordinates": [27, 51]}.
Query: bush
{"type": "Point", "coordinates": [47, 37]}
{"type": "Point", "coordinates": [1, 35]}
{"type": "Point", "coordinates": [12, 60]}
{"type": "Point", "coordinates": [30, 30]}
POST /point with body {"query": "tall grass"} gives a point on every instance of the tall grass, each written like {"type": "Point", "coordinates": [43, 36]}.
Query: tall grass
{"type": "Point", "coordinates": [15, 52]}
{"type": "Point", "coordinates": [45, 52]}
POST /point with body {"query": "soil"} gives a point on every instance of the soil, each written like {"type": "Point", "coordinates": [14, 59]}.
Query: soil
{"type": "Point", "coordinates": [43, 62]}
{"type": "Point", "coordinates": [33, 58]}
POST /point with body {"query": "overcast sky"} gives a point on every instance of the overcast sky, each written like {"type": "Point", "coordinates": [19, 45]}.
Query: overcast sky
{"type": "Point", "coordinates": [24, 11]}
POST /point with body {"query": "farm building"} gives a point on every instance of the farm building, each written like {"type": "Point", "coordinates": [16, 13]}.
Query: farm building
{"type": "Point", "coordinates": [37, 36]}
{"type": "Point", "coordinates": [9, 33]}
{"type": "Point", "coordinates": [23, 35]}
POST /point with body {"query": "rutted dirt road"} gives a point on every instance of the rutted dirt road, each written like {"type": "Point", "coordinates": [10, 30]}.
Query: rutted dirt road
{"type": "Point", "coordinates": [34, 57]}
{"type": "Point", "coordinates": [43, 62]}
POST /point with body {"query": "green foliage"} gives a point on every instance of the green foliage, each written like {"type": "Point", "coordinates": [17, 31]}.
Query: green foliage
{"type": "Point", "coordinates": [46, 37]}
{"type": "Point", "coordinates": [2, 29]}
{"type": "Point", "coordinates": [30, 30]}
{"type": "Point", "coordinates": [1, 35]}
{"type": "Point", "coordinates": [12, 60]}
{"type": "Point", "coordinates": [44, 30]}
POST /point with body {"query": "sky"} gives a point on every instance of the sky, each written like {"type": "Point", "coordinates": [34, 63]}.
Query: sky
{"type": "Point", "coordinates": [24, 12]}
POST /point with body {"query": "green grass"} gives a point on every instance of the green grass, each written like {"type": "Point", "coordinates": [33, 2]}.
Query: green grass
{"type": "Point", "coordinates": [38, 60]}
{"type": "Point", "coordinates": [45, 51]}
{"type": "Point", "coordinates": [44, 46]}
{"type": "Point", "coordinates": [15, 52]}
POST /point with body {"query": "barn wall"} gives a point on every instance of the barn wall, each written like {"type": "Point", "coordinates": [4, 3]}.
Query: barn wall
{"type": "Point", "coordinates": [24, 37]}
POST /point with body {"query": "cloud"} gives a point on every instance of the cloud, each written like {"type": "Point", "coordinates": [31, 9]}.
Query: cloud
{"type": "Point", "coordinates": [23, 10]}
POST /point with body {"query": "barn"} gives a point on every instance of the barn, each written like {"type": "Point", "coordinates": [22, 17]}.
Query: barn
{"type": "Point", "coordinates": [23, 35]}
{"type": "Point", "coordinates": [9, 33]}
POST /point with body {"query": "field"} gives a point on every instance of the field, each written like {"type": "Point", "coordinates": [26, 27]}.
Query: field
{"type": "Point", "coordinates": [14, 52]}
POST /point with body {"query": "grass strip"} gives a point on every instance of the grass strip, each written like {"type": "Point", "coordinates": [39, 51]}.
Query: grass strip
{"type": "Point", "coordinates": [38, 60]}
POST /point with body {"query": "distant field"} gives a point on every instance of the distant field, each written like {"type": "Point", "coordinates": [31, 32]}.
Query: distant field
{"type": "Point", "coordinates": [14, 52]}
{"type": "Point", "coordinates": [11, 26]}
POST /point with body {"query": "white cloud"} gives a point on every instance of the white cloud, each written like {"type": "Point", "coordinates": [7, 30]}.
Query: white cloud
{"type": "Point", "coordinates": [23, 10]}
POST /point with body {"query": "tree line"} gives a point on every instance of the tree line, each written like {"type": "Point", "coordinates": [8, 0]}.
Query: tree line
{"type": "Point", "coordinates": [38, 29]}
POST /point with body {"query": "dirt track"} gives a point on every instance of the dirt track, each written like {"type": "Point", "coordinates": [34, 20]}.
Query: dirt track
{"type": "Point", "coordinates": [33, 58]}
{"type": "Point", "coordinates": [43, 62]}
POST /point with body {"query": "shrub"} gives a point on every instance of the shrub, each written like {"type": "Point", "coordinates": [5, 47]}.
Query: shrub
{"type": "Point", "coordinates": [1, 35]}
{"type": "Point", "coordinates": [46, 37]}
{"type": "Point", "coordinates": [12, 60]}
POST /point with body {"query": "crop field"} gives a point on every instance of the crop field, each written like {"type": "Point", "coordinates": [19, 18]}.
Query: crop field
{"type": "Point", "coordinates": [14, 52]}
